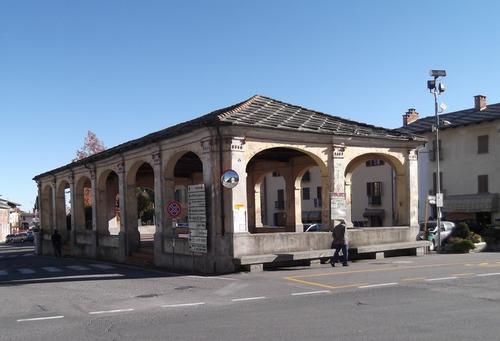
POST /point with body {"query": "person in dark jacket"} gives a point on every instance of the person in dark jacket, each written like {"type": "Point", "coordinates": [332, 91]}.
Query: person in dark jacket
{"type": "Point", "coordinates": [339, 243]}
{"type": "Point", "coordinates": [57, 243]}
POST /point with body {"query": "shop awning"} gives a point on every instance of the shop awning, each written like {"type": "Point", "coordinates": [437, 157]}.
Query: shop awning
{"type": "Point", "coordinates": [470, 203]}
{"type": "Point", "coordinates": [374, 212]}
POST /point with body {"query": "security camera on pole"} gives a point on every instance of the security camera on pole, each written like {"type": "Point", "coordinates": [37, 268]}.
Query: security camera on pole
{"type": "Point", "coordinates": [436, 89]}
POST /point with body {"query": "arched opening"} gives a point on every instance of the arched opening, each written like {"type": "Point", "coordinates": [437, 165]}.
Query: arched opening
{"type": "Point", "coordinates": [140, 207]}
{"type": "Point", "coordinates": [63, 209]}
{"type": "Point", "coordinates": [312, 185]}
{"type": "Point", "coordinates": [187, 171]}
{"type": "Point", "coordinates": [279, 190]}
{"type": "Point", "coordinates": [109, 203]}
{"type": "Point", "coordinates": [83, 204]}
{"type": "Point", "coordinates": [375, 190]}
{"type": "Point", "coordinates": [47, 210]}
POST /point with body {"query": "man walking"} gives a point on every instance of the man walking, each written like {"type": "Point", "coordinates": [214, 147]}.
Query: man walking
{"type": "Point", "coordinates": [56, 243]}
{"type": "Point", "coordinates": [339, 243]}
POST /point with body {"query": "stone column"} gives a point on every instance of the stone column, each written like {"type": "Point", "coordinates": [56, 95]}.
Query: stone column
{"type": "Point", "coordinates": [159, 203]}
{"type": "Point", "coordinates": [238, 194]}
{"type": "Point", "coordinates": [122, 198]}
{"type": "Point", "coordinates": [412, 186]}
{"type": "Point", "coordinates": [54, 201]}
{"type": "Point", "coordinates": [72, 235]}
{"type": "Point", "coordinates": [39, 234]}
{"type": "Point", "coordinates": [338, 192]}
{"type": "Point", "coordinates": [290, 199]}
{"type": "Point", "coordinates": [325, 201]}
{"type": "Point", "coordinates": [95, 235]}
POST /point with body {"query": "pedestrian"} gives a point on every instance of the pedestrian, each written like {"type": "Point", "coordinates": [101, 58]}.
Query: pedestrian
{"type": "Point", "coordinates": [339, 243]}
{"type": "Point", "coordinates": [56, 243]}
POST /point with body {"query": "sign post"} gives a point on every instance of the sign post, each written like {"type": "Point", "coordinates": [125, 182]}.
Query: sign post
{"type": "Point", "coordinates": [197, 217]}
{"type": "Point", "coordinates": [174, 209]}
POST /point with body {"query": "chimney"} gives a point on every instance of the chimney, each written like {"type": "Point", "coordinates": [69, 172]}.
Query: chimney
{"type": "Point", "coordinates": [410, 116]}
{"type": "Point", "coordinates": [479, 102]}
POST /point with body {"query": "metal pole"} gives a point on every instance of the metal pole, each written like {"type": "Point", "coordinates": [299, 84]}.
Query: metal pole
{"type": "Point", "coordinates": [438, 178]}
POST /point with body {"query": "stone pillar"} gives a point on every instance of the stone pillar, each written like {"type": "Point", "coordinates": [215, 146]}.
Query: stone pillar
{"type": "Point", "coordinates": [72, 235]}
{"type": "Point", "coordinates": [348, 203]}
{"type": "Point", "coordinates": [257, 204]}
{"type": "Point", "coordinates": [93, 184]}
{"type": "Point", "coordinates": [412, 186]}
{"type": "Point", "coordinates": [39, 234]}
{"type": "Point", "coordinates": [290, 199]}
{"type": "Point", "coordinates": [337, 185]}
{"type": "Point", "coordinates": [325, 201]}
{"type": "Point", "coordinates": [54, 201]}
{"type": "Point", "coordinates": [122, 198]}
{"type": "Point", "coordinates": [401, 204]}
{"type": "Point", "coordinates": [159, 203]}
{"type": "Point", "coordinates": [238, 194]}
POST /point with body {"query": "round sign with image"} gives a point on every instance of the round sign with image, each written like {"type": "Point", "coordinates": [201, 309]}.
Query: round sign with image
{"type": "Point", "coordinates": [230, 179]}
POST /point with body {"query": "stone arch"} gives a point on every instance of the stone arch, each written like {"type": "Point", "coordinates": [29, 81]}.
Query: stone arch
{"type": "Point", "coordinates": [397, 187]}
{"type": "Point", "coordinates": [140, 222]}
{"type": "Point", "coordinates": [183, 169]}
{"type": "Point", "coordinates": [292, 162]}
{"type": "Point", "coordinates": [83, 205]}
{"type": "Point", "coordinates": [47, 209]}
{"type": "Point", "coordinates": [63, 208]}
{"type": "Point", "coordinates": [108, 221]}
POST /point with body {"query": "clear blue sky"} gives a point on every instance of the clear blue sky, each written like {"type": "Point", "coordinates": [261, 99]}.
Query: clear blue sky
{"type": "Point", "coordinates": [127, 68]}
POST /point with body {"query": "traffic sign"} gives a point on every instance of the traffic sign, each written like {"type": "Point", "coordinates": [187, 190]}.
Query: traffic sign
{"type": "Point", "coordinates": [174, 209]}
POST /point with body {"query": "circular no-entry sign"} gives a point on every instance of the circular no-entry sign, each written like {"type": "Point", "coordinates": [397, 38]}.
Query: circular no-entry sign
{"type": "Point", "coordinates": [174, 208]}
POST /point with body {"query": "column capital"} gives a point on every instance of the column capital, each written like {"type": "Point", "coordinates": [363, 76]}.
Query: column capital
{"type": "Point", "coordinates": [233, 143]}
{"type": "Point", "coordinates": [338, 151]}
{"type": "Point", "coordinates": [156, 156]}
{"type": "Point", "coordinates": [208, 145]}
{"type": "Point", "coordinates": [412, 155]}
{"type": "Point", "coordinates": [120, 167]}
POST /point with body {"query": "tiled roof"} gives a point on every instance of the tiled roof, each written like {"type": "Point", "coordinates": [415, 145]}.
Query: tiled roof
{"type": "Point", "coordinates": [259, 112]}
{"type": "Point", "coordinates": [456, 119]}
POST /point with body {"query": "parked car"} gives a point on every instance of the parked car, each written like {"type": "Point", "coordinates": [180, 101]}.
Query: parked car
{"type": "Point", "coordinates": [315, 228]}
{"type": "Point", "coordinates": [9, 238]}
{"type": "Point", "coordinates": [21, 237]}
{"type": "Point", "coordinates": [446, 229]}
{"type": "Point", "coordinates": [30, 236]}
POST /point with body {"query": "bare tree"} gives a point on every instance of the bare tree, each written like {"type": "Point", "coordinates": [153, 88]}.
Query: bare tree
{"type": "Point", "coordinates": [92, 145]}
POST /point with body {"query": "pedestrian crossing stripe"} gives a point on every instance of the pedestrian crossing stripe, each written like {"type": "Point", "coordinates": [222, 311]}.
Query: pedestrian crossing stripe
{"type": "Point", "coordinates": [26, 271]}
{"type": "Point", "coordinates": [77, 268]}
{"type": "Point", "coordinates": [53, 269]}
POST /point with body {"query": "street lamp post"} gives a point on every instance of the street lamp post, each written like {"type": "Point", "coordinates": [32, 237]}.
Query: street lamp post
{"type": "Point", "coordinates": [437, 89]}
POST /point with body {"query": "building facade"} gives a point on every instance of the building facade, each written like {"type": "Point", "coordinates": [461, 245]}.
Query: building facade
{"type": "Point", "coordinates": [469, 149]}
{"type": "Point", "coordinates": [181, 167]}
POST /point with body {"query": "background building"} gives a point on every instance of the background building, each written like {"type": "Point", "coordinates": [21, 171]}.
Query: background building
{"type": "Point", "coordinates": [469, 150]}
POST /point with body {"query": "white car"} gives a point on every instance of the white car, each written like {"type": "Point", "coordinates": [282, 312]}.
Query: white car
{"type": "Point", "coordinates": [446, 229]}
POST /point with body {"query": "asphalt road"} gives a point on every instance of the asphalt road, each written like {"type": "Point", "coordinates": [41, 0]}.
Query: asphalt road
{"type": "Point", "coordinates": [439, 297]}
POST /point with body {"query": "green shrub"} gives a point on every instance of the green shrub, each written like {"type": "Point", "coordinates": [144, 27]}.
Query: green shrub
{"type": "Point", "coordinates": [461, 231]}
{"type": "Point", "coordinates": [459, 245]}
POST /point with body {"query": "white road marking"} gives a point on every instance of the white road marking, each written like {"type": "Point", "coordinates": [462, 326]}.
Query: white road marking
{"type": "Point", "coordinates": [3, 273]}
{"type": "Point", "coordinates": [248, 299]}
{"type": "Point", "coordinates": [116, 311]}
{"type": "Point", "coordinates": [51, 269]}
{"type": "Point", "coordinates": [183, 305]}
{"type": "Point", "coordinates": [26, 271]}
{"type": "Point", "coordinates": [219, 278]}
{"type": "Point", "coordinates": [67, 278]}
{"type": "Point", "coordinates": [441, 279]}
{"type": "Point", "coordinates": [41, 319]}
{"type": "Point", "coordinates": [489, 274]}
{"type": "Point", "coordinates": [378, 285]}
{"type": "Point", "coordinates": [311, 293]}
{"type": "Point", "coordinates": [77, 268]}
{"type": "Point", "coordinates": [102, 266]}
